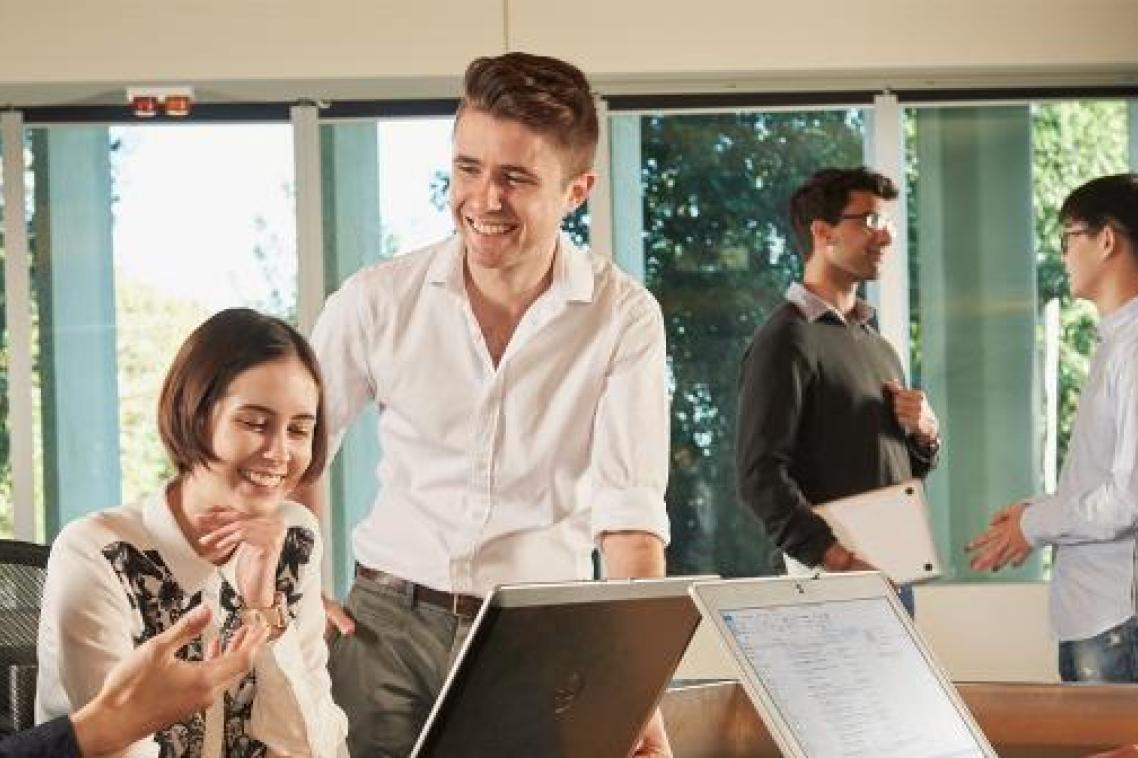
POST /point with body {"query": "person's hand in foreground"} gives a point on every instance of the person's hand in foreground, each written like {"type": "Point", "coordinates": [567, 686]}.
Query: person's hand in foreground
{"type": "Point", "coordinates": [152, 688]}
{"type": "Point", "coordinates": [653, 740]}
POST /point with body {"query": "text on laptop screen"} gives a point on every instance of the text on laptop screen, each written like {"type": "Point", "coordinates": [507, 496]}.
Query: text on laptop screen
{"type": "Point", "coordinates": [849, 680]}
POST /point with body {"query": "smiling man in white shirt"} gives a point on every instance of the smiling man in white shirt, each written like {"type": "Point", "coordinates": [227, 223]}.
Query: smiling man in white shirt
{"type": "Point", "coordinates": [521, 384]}
{"type": "Point", "coordinates": [1092, 517]}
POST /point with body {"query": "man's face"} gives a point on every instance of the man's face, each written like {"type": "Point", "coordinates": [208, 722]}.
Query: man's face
{"type": "Point", "coordinates": [852, 248]}
{"type": "Point", "coordinates": [1081, 257]}
{"type": "Point", "coordinates": [509, 191]}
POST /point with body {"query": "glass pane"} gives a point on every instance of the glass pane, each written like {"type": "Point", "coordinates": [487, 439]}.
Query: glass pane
{"type": "Point", "coordinates": [204, 219]}
{"type": "Point", "coordinates": [718, 257]}
{"type": "Point", "coordinates": [5, 436]}
{"type": "Point", "coordinates": [385, 194]}
{"type": "Point", "coordinates": [414, 177]}
{"type": "Point", "coordinates": [140, 232]}
{"type": "Point", "coordinates": [996, 339]}
{"type": "Point", "coordinates": [1072, 143]}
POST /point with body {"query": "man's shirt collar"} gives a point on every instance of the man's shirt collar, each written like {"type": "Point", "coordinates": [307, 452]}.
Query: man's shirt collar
{"type": "Point", "coordinates": [1111, 324]}
{"type": "Point", "coordinates": [814, 307]}
{"type": "Point", "coordinates": [572, 270]}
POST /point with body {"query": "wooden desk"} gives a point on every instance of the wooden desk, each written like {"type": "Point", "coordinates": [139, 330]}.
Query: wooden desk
{"type": "Point", "coordinates": [1047, 720]}
{"type": "Point", "coordinates": [1020, 720]}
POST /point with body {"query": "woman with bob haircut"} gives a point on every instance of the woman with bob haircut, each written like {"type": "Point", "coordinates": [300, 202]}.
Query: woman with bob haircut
{"type": "Point", "coordinates": [241, 415]}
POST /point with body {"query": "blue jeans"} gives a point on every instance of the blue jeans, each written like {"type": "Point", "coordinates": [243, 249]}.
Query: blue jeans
{"type": "Point", "coordinates": [1108, 657]}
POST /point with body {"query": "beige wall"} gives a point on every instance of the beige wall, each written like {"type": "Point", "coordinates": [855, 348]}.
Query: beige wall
{"type": "Point", "coordinates": [379, 48]}
{"type": "Point", "coordinates": [977, 632]}
{"type": "Point", "coordinates": [63, 40]}
{"type": "Point", "coordinates": [833, 38]}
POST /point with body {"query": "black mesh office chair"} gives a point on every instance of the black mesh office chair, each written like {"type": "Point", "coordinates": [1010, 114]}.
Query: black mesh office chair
{"type": "Point", "coordinates": [23, 567]}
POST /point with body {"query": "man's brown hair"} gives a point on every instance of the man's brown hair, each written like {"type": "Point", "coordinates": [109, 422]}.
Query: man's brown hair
{"type": "Point", "coordinates": [224, 346]}
{"type": "Point", "coordinates": [826, 193]}
{"type": "Point", "coordinates": [548, 95]}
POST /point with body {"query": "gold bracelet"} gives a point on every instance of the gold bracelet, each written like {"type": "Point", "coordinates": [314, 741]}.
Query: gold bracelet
{"type": "Point", "coordinates": [275, 617]}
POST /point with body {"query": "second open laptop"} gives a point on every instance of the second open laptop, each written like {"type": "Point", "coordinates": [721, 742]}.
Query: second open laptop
{"type": "Point", "coordinates": [835, 667]}
{"type": "Point", "coordinates": [571, 669]}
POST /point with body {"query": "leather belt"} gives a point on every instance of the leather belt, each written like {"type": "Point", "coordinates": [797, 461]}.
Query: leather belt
{"type": "Point", "coordinates": [465, 606]}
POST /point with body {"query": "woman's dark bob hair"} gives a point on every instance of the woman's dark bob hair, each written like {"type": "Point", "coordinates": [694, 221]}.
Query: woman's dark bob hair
{"type": "Point", "coordinates": [225, 345]}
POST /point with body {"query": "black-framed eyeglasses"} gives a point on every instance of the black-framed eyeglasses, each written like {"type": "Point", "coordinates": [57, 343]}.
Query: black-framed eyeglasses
{"type": "Point", "coordinates": [1066, 235]}
{"type": "Point", "coordinates": [872, 220]}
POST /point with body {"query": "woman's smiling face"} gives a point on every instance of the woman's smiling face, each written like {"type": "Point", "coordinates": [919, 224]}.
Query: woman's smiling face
{"type": "Point", "coordinates": [261, 435]}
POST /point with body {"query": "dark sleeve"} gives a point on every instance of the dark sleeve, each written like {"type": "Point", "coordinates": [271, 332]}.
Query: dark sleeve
{"type": "Point", "coordinates": [773, 383]}
{"type": "Point", "coordinates": [922, 459]}
{"type": "Point", "coordinates": [51, 739]}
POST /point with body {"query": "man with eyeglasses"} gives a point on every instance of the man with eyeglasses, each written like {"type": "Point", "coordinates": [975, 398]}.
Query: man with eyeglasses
{"type": "Point", "coordinates": [1092, 517]}
{"type": "Point", "coordinates": [824, 412]}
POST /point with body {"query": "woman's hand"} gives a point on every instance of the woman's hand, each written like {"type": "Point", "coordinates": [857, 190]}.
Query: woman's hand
{"type": "Point", "coordinates": [257, 541]}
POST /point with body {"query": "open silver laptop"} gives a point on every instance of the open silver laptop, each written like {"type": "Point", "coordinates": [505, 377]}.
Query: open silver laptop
{"type": "Point", "coordinates": [835, 667]}
{"type": "Point", "coordinates": [571, 669]}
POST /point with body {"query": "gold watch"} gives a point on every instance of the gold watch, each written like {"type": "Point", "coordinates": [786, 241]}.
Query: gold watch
{"type": "Point", "coordinates": [275, 617]}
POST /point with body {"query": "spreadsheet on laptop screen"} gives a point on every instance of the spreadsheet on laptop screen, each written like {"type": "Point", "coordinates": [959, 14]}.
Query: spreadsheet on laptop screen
{"type": "Point", "coordinates": [849, 680]}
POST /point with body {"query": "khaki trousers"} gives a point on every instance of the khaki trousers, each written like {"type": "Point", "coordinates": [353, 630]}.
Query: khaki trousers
{"type": "Point", "coordinates": [387, 675]}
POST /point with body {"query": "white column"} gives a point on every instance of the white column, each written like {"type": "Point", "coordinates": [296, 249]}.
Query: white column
{"type": "Point", "coordinates": [1132, 112]}
{"type": "Point", "coordinates": [600, 202]}
{"type": "Point", "coordinates": [309, 218]}
{"type": "Point", "coordinates": [18, 308]}
{"type": "Point", "coordinates": [310, 258]}
{"type": "Point", "coordinates": [885, 153]}
{"type": "Point", "coordinates": [1052, 338]}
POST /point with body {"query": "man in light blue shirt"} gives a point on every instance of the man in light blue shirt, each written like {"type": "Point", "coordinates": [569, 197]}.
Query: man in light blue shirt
{"type": "Point", "coordinates": [1092, 518]}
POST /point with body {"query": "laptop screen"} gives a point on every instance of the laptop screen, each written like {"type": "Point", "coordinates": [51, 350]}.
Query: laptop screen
{"type": "Point", "coordinates": [850, 680]}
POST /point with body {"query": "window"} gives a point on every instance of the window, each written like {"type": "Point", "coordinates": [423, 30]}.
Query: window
{"type": "Point", "coordinates": [139, 233]}
{"type": "Point", "coordinates": [385, 189]}
{"type": "Point", "coordinates": [708, 233]}
{"type": "Point", "coordinates": [996, 339]}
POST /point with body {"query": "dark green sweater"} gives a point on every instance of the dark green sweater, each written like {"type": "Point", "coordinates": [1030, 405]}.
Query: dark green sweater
{"type": "Point", "coordinates": [815, 424]}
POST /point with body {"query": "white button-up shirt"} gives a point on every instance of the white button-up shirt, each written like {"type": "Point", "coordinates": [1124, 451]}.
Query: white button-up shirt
{"type": "Point", "coordinates": [122, 575]}
{"type": "Point", "coordinates": [488, 474]}
{"type": "Point", "coordinates": [1092, 516]}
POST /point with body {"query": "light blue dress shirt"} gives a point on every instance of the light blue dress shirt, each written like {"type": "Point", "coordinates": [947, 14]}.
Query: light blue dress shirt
{"type": "Point", "coordinates": [1092, 516]}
